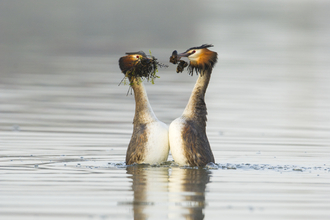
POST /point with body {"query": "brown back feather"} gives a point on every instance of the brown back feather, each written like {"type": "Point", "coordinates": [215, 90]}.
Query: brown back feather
{"type": "Point", "coordinates": [198, 151]}
{"type": "Point", "coordinates": [136, 147]}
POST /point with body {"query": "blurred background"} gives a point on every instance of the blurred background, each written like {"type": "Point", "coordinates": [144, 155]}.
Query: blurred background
{"type": "Point", "coordinates": [291, 31]}
{"type": "Point", "coordinates": [34, 29]}
{"type": "Point", "coordinates": [273, 67]}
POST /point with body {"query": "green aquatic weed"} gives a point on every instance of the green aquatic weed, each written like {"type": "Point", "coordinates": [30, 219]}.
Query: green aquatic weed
{"type": "Point", "coordinates": [144, 68]}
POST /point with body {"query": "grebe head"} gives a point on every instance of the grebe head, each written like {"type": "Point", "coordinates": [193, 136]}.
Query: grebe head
{"type": "Point", "coordinates": [201, 58]}
{"type": "Point", "coordinates": [133, 60]}
{"type": "Point", "coordinates": [139, 65]}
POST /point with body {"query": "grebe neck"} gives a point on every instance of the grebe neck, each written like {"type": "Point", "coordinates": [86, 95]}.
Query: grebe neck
{"type": "Point", "coordinates": [196, 108]}
{"type": "Point", "coordinates": [143, 111]}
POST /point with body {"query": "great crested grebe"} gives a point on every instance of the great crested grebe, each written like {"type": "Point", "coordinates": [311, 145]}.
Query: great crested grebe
{"type": "Point", "coordinates": [187, 134]}
{"type": "Point", "coordinates": [149, 141]}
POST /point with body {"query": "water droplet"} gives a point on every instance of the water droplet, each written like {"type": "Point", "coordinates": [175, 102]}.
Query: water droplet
{"type": "Point", "coordinates": [231, 166]}
{"type": "Point", "coordinates": [211, 165]}
{"type": "Point", "coordinates": [297, 169]}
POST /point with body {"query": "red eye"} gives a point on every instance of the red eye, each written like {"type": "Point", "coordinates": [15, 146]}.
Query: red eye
{"type": "Point", "coordinates": [137, 56]}
{"type": "Point", "coordinates": [194, 51]}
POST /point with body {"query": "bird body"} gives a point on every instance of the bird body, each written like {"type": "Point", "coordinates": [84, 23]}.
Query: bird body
{"type": "Point", "coordinates": [156, 148]}
{"type": "Point", "coordinates": [149, 142]}
{"type": "Point", "coordinates": [177, 144]}
{"type": "Point", "coordinates": [189, 144]}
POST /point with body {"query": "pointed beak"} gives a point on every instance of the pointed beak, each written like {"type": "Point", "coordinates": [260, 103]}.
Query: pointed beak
{"type": "Point", "coordinates": [176, 57]}
{"type": "Point", "coordinates": [183, 55]}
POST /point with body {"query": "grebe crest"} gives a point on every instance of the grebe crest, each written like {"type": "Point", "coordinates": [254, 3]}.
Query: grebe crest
{"type": "Point", "coordinates": [201, 59]}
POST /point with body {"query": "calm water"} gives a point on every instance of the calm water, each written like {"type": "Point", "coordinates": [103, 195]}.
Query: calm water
{"type": "Point", "coordinates": [65, 123]}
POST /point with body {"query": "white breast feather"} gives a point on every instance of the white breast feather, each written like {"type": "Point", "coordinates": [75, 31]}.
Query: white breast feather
{"type": "Point", "coordinates": [176, 142]}
{"type": "Point", "coordinates": [157, 148]}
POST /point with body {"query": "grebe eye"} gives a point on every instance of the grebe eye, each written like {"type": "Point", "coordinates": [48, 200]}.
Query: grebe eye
{"type": "Point", "coordinates": [137, 56]}
{"type": "Point", "coordinates": [194, 51]}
